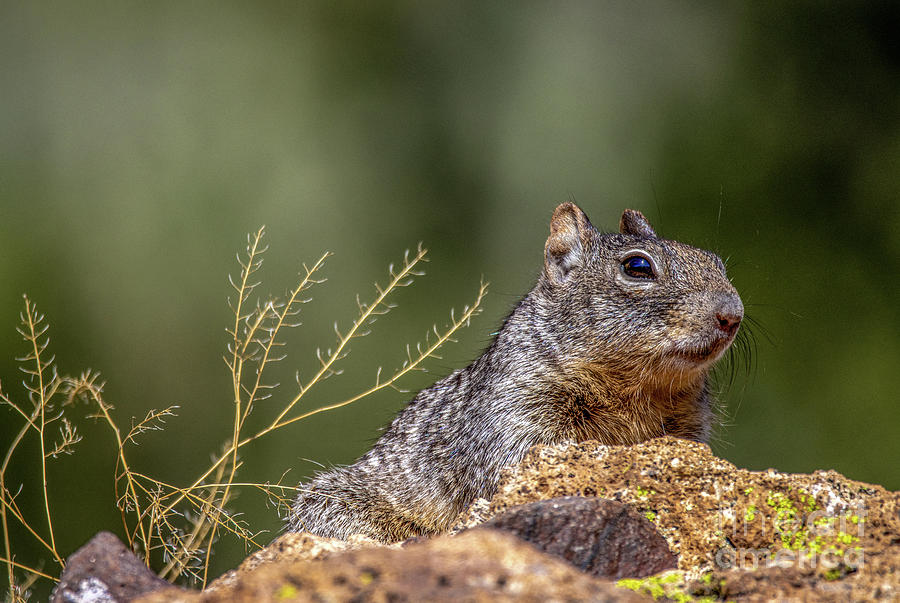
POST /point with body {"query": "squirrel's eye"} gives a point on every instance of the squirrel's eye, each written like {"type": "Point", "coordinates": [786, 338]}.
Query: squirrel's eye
{"type": "Point", "coordinates": [638, 267]}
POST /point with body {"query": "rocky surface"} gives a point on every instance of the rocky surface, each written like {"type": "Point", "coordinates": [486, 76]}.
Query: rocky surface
{"type": "Point", "coordinates": [601, 537]}
{"type": "Point", "coordinates": [736, 535]}
{"type": "Point", "coordinates": [105, 571]}
{"type": "Point", "coordinates": [480, 565]}
{"type": "Point", "coordinates": [289, 548]}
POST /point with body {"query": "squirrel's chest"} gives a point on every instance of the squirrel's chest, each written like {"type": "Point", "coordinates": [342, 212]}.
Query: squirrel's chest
{"type": "Point", "coordinates": [585, 416]}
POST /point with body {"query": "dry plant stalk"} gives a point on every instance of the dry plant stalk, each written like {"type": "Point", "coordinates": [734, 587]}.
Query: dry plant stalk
{"type": "Point", "coordinates": [43, 408]}
{"type": "Point", "coordinates": [182, 522]}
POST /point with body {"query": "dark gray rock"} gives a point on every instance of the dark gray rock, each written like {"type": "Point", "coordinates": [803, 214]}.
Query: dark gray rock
{"type": "Point", "coordinates": [605, 538]}
{"type": "Point", "coordinates": [105, 571]}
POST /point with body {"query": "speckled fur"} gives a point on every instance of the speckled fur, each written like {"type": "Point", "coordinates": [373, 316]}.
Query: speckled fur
{"type": "Point", "coordinates": [589, 353]}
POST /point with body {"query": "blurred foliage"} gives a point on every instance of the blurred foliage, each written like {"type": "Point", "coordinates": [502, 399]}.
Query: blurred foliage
{"type": "Point", "coordinates": [140, 142]}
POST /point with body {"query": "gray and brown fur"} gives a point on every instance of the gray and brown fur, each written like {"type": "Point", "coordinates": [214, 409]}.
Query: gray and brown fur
{"type": "Point", "coordinates": [592, 352]}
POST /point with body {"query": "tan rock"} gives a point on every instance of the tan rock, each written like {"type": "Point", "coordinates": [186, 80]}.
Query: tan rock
{"type": "Point", "coordinates": [822, 533]}
{"type": "Point", "coordinates": [481, 565]}
{"type": "Point", "coordinates": [289, 547]}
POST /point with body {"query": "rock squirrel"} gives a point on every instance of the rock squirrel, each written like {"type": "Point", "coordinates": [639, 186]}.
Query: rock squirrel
{"type": "Point", "coordinates": [614, 343]}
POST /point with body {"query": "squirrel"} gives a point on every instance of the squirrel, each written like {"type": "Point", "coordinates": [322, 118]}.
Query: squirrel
{"type": "Point", "coordinates": [614, 343]}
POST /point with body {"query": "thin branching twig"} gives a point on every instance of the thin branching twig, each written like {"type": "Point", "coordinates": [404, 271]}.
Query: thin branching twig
{"type": "Point", "coordinates": [182, 524]}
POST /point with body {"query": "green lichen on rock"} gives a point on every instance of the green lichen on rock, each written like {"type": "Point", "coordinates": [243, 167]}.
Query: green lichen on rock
{"type": "Point", "coordinates": [644, 492]}
{"type": "Point", "coordinates": [670, 585]}
{"type": "Point", "coordinates": [286, 591]}
{"type": "Point", "coordinates": [833, 574]}
{"type": "Point", "coordinates": [657, 585]}
{"type": "Point", "coordinates": [782, 505]}
{"type": "Point", "coordinates": [750, 513]}
{"type": "Point", "coordinates": [803, 525]}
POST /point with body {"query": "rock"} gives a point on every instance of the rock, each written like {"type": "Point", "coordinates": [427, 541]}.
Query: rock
{"type": "Point", "coordinates": [292, 546]}
{"type": "Point", "coordinates": [820, 534]}
{"type": "Point", "coordinates": [773, 583]}
{"type": "Point", "coordinates": [479, 565]}
{"type": "Point", "coordinates": [602, 537]}
{"type": "Point", "coordinates": [738, 535]}
{"type": "Point", "coordinates": [105, 571]}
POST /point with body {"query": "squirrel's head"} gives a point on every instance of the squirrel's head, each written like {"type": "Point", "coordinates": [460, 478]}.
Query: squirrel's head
{"type": "Point", "coordinates": [632, 301]}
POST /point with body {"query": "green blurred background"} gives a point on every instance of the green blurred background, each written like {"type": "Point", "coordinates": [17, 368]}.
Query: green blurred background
{"type": "Point", "coordinates": [140, 142]}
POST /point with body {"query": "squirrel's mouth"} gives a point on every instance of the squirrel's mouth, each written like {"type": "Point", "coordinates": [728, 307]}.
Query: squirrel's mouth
{"type": "Point", "coordinates": [696, 343]}
{"type": "Point", "coordinates": [701, 354]}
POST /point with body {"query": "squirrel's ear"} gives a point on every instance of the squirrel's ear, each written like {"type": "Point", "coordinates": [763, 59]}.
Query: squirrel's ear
{"type": "Point", "coordinates": [633, 222]}
{"type": "Point", "coordinates": [570, 232]}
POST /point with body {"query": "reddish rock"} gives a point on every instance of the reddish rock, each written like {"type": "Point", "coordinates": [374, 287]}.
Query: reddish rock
{"type": "Point", "coordinates": [602, 537]}
{"type": "Point", "coordinates": [105, 571]}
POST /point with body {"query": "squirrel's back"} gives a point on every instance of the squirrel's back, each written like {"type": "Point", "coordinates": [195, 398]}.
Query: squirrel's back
{"type": "Point", "coordinates": [614, 343]}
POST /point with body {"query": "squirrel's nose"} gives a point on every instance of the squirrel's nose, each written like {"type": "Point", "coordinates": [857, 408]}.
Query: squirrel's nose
{"type": "Point", "coordinates": [729, 315]}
